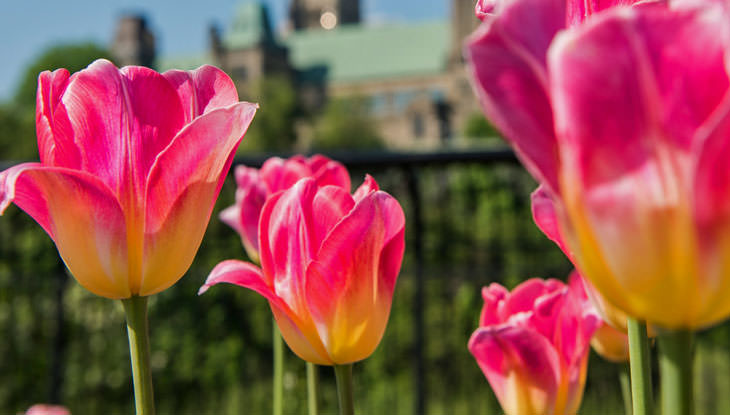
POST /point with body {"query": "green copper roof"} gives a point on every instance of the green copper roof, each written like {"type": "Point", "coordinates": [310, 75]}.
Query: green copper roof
{"type": "Point", "coordinates": [358, 52]}
{"type": "Point", "coordinates": [250, 27]}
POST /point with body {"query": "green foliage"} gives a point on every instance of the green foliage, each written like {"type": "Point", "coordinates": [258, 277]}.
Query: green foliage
{"type": "Point", "coordinates": [476, 126]}
{"type": "Point", "coordinates": [273, 126]}
{"type": "Point", "coordinates": [73, 57]}
{"type": "Point", "coordinates": [346, 124]}
{"type": "Point", "coordinates": [17, 133]}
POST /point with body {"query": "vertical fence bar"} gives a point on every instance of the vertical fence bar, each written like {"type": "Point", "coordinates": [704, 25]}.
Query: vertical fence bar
{"type": "Point", "coordinates": [416, 224]}
{"type": "Point", "coordinates": [58, 345]}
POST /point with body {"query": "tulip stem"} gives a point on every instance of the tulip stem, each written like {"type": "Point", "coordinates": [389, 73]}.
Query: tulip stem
{"type": "Point", "coordinates": [625, 382]}
{"type": "Point", "coordinates": [343, 375]}
{"type": "Point", "coordinates": [675, 367]}
{"type": "Point", "coordinates": [135, 309]}
{"type": "Point", "coordinates": [278, 371]}
{"type": "Point", "coordinates": [312, 388]}
{"type": "Point", "coordinates": [640, 365]}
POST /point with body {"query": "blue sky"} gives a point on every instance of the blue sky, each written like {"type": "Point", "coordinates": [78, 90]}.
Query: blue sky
{"type": "Point", "coordinates": [27, 27]}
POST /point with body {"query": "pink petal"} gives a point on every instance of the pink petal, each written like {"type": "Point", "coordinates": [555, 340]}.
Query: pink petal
{"type": "Point", "coordinates": [115, 117]}
{"type": "Point", "coordinates": [182, 188]}
{"type": "Point", "coordinates": [579, 10]}
{"type": "Point", "coordinates": [243, 274]}
{"type": "Point", "coordinates": [331, 204]}
{"type": "Point", "coordinates": [507, 65]}
{"type": "Point", "coordinates": [350, 284]}
{"type": "Point", "coordinates": [670, 67]}
{"type": "Point", "coordinates": [494, 298]}
{"type": "Point", "coordinates": [280, 174]}
{"type": "Point", "coordinates": [367, 187]}
{"type": "Point", "coordinates": [521, 366]}
{"type": "Point", "coordinates": [544, 213]}
{"type": "Point", "coordinates": [82, 217]}
{"type": "Point", "coordinates": [51, 86]}
{"type": "Point", "coordinates": [285, 241]}
{"type": "Point", "coordinates": [251, 194]}
{"type": "Point", "coordinates": [202, 90]}
{"type": "Point", "coordinates": [329, 172]}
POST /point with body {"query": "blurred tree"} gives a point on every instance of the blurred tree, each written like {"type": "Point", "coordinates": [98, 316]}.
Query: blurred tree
{"type": "Point", "coordinates": [17, 117]}
{"type": "Point", "coordinates": [273, 128]}
{"type": "Point", "coordinates": [346, 124]}
{"type": "Point", "coordinates": [476, 126]}
{"type": "Point", "coordinates": [73, 57]}
{"type": "Point", "coordinates": [17, 133]}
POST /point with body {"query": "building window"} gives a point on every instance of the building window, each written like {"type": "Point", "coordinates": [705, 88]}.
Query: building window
{"type": "Point", "coordinates": [419, 127]}
{"type": "Point", "coordinates": [239, 74]}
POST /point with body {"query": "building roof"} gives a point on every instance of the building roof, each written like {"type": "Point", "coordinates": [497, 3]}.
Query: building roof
{"type": "Point", "coordinates": [354, 53]}
{"type": "Point", "coordinates": [250, 27]}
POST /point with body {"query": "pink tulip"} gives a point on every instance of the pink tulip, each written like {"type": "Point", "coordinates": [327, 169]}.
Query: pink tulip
{"type": "Point", "coordinates": [623, 118]}
{"type": "Point", "coordinates": [532, 345]}
{"type": "Point", "coordinates": [329, 263]}
{"type": "Point", "coordinates": [131, 163]}
{"type": "Point", "coordinates": [255, 186]}
{"type": "Point", "coordinates": [44, 409]}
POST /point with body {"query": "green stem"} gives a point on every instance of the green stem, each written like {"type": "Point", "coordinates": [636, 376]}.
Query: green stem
{"type": "Point", "coordinates": [675, 367]}
{"type": "Point", "coordinates": [278, 370]}
{"type": "Point", "coordinates": [135, 309]}
{"type": "Point", "coordinates": [343, 375]}
{"type": "Point", "coordinates": [312, 388]}
{"type": "Point", "coordinates": [625, 381]}
{"type": "Point", "coordinates": [640, 364]}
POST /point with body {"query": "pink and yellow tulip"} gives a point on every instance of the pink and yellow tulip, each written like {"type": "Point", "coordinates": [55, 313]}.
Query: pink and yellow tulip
{"type": "Point", "coordinates": [532, 345]}
{"type": "Point", "coordinates": [623, 117]}
{"type": "Point", "coordinates": [131, 163]}
{"type": "Point", "coordinates": [254, 186]}
{"type": "Point", "coordinates": [329, 263]}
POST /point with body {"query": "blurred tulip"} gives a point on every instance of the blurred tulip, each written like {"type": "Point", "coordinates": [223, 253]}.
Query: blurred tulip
{"type": "Point", "coordinates": [533, 344]}
{"type": "Point", "coordinates": [131, 163]}
{"type": "Point", "coordinates": [623, 117]}
{"type": "Point", "coordinates": [44, 409]}
{"type": "Point", "coordinates": [254, 186]}
{"type": "Point", "coordinates": [329, 263]}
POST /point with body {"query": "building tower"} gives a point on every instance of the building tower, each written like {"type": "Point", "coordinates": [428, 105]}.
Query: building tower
{"type": "Point", "coordinates": [463, 23]}
{"type": "Point", "coordinates": [323, 14]}
{"type": "Point", "coordinates": [134, 43]}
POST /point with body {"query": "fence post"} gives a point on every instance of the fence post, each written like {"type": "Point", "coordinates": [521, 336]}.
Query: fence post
{"type": "Point", "coordinates": [58, 351]}
{"type": "Point", "coordinates": [416, 224]}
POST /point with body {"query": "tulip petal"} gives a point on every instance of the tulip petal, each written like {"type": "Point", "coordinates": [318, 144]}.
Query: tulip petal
{"type": "Point", "coordinates": [202, 90]}
{"type": "Point", "coordinates": [51, 86]}
{"type": "Point", "coordinates": [368, 186]}
{"type": "Point", "coordinates": [280, 174]}
{"type": "Point", "coordinates": [331, 204]}
{"type": "Point", "coordinates": [350, 284]}
{"type": "Point", "coordinates": [522, 367]}
{"type": "Point", "coordinates": [249, 276]}
{"type": "Point", "coordinates": [329, 172]}
{"type": "Point", "coordinates": [285, 241]}
{"type": "Point", "coordinates": [671, 69]}
{"type": "Point", "coordinates": [545, 214]}
{"type": "Point", "coordinates": [82, 217]}
{"type": "Point", "coordinates": [494, 298]}
{"type": "Point", "coordinates": [507, 64]}
{"type": "Point", "coordinates": [182, 188]}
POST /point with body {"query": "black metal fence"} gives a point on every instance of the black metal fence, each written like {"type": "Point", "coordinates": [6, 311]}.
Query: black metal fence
{"type": "Point", "coordinates": [467, 224]}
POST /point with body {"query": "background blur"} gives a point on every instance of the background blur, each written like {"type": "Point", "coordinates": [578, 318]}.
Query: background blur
{"type": "Point", "coordinates": [382, 89]}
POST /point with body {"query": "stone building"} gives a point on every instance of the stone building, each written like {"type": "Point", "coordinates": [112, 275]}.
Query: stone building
{"type": "Point", "coordinates": [412, 74]}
